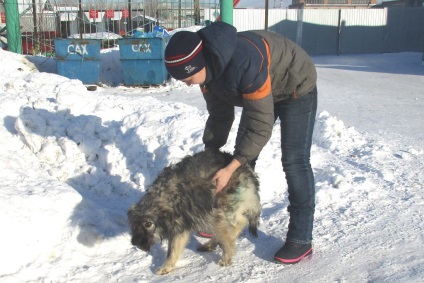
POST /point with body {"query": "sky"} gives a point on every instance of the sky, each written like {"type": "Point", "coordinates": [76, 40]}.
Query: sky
{"type": "Point", "coordinates": [261, 3]}
{"type": "Point", "coordinates": [72, 161]}
{"type": "Point", "coordinates": [272, 4]}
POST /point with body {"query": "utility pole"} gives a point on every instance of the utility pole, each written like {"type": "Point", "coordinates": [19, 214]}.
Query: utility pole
{"type": "Point", "coordinates": [226, 11]}
{"type": "Point", "coordinates": [14, 38]}
{"type": "Point", "coordinates": [266, 14]}
{"type": "Point", "coordinates": [80, 19]}
{"type": "Point", "coordinates": [34, 20]}
{"type": "Point", "coordinates": [179, 14]}
{"type": "Point", "coordinates": [196, 12]}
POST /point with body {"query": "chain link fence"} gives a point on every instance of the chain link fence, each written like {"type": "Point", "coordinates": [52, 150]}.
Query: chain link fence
{"type": "Point", "coordinates": [42, 21]}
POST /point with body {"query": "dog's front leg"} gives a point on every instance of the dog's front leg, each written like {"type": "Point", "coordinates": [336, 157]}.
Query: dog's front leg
{"type": "Point", "coordinates": [176, 245]}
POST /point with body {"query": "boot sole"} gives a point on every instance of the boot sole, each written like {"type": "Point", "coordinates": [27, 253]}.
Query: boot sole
{"type": "Point", "coordinates": [292, 260]}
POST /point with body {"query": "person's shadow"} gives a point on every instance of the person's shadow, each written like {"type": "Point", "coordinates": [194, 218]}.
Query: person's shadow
{"type": "Point", "coordinates": [90, 148]}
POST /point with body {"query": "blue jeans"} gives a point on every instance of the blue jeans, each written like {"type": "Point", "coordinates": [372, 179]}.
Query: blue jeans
{"type": "Point", "coordinates": [297, 118]}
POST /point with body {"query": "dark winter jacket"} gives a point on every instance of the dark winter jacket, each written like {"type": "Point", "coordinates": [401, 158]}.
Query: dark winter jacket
{"type": "Point", "coordinates": [238, 73]}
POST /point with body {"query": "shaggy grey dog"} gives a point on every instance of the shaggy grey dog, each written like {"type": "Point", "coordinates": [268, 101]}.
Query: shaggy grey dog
{"type": "Point", "coordinates": [182, 199]}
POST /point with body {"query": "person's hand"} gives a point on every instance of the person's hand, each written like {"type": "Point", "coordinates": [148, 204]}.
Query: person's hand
{"type": "Point", "coordinates": [223, 175]}
{"type": "Point", "coordinates": [221, 178]}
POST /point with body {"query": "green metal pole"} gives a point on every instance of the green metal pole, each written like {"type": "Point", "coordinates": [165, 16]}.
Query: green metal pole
{"type": "Point", "coordinates": [14, 39]}
{"type": "Point", "coordinates": [227, 11]}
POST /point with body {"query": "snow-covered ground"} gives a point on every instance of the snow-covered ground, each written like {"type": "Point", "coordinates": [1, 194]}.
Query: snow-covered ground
{"type": "Point", "coordinates": [72, 161]}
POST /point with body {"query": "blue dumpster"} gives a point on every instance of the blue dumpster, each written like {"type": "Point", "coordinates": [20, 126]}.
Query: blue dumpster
{"type": "Point", "coordinates": [142, 60]}
{"type": "Point", "coordinates": [78, 59]}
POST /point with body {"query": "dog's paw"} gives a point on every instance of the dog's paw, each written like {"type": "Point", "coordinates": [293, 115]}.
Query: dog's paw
{"type": "Point", "coordinates": [163, 270]}
{"type": "Point", "coordinates": [223, 262]}
{"type": "Point", "coordinates": [205, 248]}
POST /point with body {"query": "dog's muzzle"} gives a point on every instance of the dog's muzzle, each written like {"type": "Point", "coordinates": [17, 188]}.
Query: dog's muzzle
{"type": "Point", "coordinates": [143, 244]}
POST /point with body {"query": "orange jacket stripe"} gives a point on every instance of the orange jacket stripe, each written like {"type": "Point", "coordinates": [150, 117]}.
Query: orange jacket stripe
{"type": "Point", "coordinates": [265, 89]}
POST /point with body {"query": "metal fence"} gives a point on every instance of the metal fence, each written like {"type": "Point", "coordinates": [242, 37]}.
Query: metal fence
{"type": "Point", "coordinates": [344, 31]}
{"type": "Point", "coordinates": [318, 31]}
{"type": "Point", "coordinates": [108, 20]}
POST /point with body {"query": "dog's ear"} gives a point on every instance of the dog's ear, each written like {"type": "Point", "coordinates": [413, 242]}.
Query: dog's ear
{"type": "Point", "coordinates": [166, 216]}
{"type": "Point", "coordinates": [133, 212]}
{"type": "Point", "coordinates": [166, 211]}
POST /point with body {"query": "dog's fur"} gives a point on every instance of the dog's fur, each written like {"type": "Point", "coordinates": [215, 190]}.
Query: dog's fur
{"type": "Point", "coordinates": [182, 199]}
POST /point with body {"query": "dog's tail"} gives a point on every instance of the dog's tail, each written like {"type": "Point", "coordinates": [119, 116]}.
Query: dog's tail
{"type": "Point", "coordinates": [253, 224]}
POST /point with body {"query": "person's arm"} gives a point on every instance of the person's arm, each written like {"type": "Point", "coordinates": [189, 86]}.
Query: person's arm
{"type": "Point", "coordinates": [220, 120]}
{"type": "Point", "coordinates": [258, 103]}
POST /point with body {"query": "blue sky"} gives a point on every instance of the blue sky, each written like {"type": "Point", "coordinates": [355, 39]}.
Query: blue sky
{"type": "Point", "coordinates": [261, 3]}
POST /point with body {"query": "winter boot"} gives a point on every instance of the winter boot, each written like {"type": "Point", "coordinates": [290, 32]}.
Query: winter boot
{"type": "Point", "coordinates": [292, 253]}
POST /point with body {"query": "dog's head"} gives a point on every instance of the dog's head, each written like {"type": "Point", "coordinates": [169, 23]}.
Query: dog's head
{"type": "Point", "coordinates": [143, 228]}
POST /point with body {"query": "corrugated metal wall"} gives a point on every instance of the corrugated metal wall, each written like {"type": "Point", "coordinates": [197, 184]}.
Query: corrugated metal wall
{"type": "Point", "coordinates": [345, 31]}
{"type": "Point", "coordinates": [252, 18]}
{"type": "Point", "coordinates": [362, 31]}
{"type": "Point", "coordinates": [320, 31]}
{"type": "Point", "coordinates": [405, 30]}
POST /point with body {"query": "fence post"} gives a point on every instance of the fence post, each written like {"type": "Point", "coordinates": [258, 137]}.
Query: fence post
{"type": "Point", "coordinates": [14, 39]}
{"type": "Point", "coordinates": [80, 19]}
{"type": "Point", "coordinates": [227, 11]}
{"type": "Point", "coordinates": [266, 14]}
{"type": "Point", "coordinates": [34, 20]}
{"type": "Point", "coordinates": [299, 27]}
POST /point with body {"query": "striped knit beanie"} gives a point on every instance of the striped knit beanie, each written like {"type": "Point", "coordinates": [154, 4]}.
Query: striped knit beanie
{"type": "Point", "coordinates": [183, 55]}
